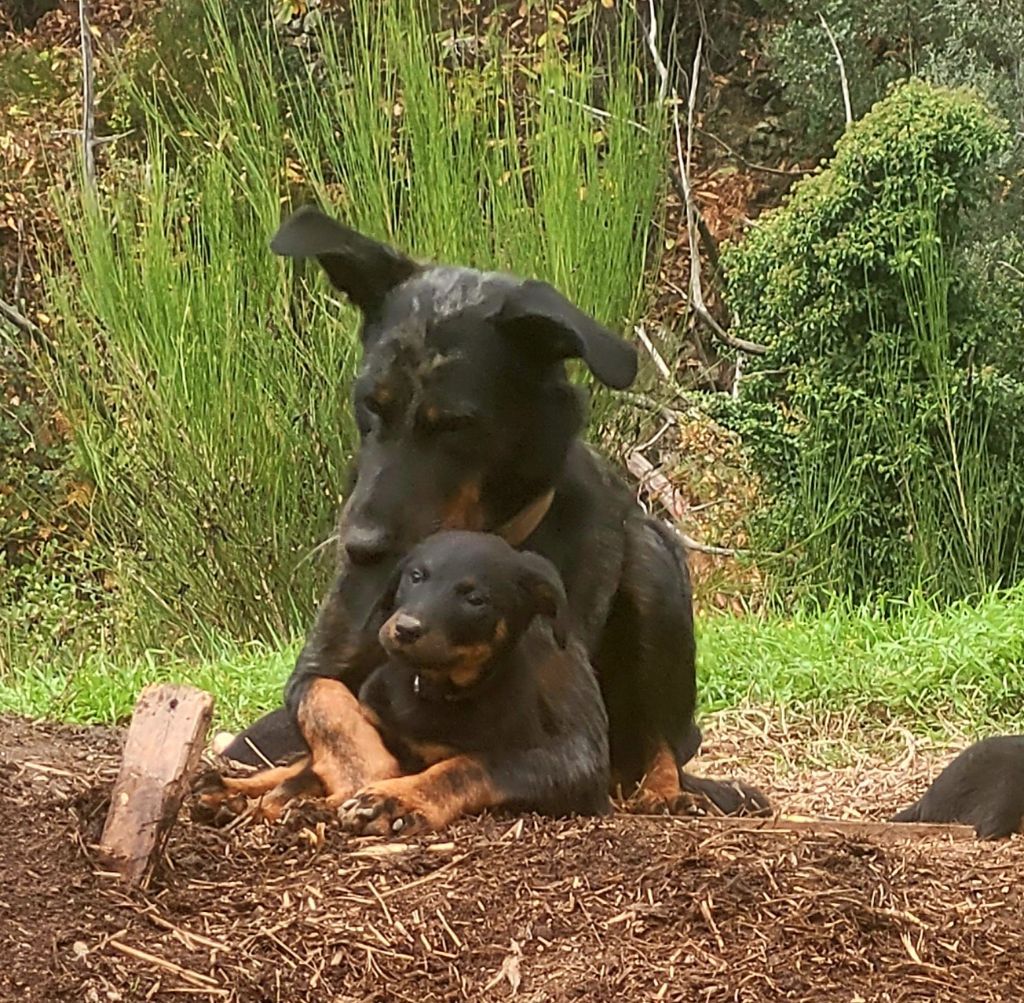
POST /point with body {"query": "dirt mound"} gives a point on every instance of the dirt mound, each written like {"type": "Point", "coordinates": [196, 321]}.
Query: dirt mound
{"type": "Point", "coordinates": [626, 908]}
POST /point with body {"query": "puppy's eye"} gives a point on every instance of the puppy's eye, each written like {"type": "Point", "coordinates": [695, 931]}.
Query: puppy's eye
{"type": "Point", "coordinates": [417, 575]}
{"type": "Point", "coordinates": [470, 594]}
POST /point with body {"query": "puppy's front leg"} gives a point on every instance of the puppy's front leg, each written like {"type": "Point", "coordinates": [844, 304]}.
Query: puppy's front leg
{"type": "Point", "coordinates": [422, 802]}
{"type": "Point", "coordinates": [558, 779]}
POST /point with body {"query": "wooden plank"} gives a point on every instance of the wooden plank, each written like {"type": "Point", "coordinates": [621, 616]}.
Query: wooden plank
{"type": "Point", "coordinates": [165, 740]}
{"type": "Point", "coordinates": [887, 832]}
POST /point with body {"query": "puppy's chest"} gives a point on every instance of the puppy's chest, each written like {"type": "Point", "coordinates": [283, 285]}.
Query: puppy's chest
{"type": "Point", "coordinates": [425, 731]}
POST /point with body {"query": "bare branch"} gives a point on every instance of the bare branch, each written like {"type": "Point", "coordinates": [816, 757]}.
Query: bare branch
{"type": "Point", "coordinates": [696, 294]}
{"type": "Point", "coordinates": [600, 113]}
{"type": "Point", "coordinates": [662, 490]}
{"type": "Point", "coordinates": [794, 172]}
{"type": "Point", "coordinates": [655, 355]}
{"type": "Point", "coordinates": [706, 236]}
{"type": "Point", "coordinates": [844, 83]}
{"type": "Point", "coordinates": [88, 98]}
{"type": "Point", "coordinates": [652, 45]}
{"type": "Point", "coordinates": [96, 140]}
{"type": "Point", "coordinates": [17, 319]}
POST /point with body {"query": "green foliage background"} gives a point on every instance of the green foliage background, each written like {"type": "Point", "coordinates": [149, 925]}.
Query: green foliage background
{"type": "Point", "coordinates": [885, 417]}
{"type": "Point", "coordinates": [206, 380]}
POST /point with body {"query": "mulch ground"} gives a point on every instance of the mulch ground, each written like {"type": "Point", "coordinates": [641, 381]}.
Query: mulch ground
{"type": "Point", "coordinates": [627, 908]}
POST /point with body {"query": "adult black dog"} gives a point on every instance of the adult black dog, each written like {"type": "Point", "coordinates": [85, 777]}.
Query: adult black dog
{"type": "Point", "coordinates": [468, 421]}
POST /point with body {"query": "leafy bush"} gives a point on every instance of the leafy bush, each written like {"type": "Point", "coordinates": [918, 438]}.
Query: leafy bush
{"type": "Point", "coordinates": [884, 418]}
{"type": "Point", "coordinates": [206, 381]}
{"type": "Point", "coordinates": [951, 42]}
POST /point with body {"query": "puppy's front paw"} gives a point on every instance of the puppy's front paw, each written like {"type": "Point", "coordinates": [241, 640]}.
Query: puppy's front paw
{"type": "Point", "coordinates": [383, 809]}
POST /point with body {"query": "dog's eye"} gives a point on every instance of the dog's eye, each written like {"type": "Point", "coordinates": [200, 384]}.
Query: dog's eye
{"type": "Point", "coordinates": [417, 575]}
{"type": "Point", "coordinates": [470, 594]}
{"type": "Point", "coordinates": [367, 417]}
{"type": "Point", "coordinates": [433, 420]}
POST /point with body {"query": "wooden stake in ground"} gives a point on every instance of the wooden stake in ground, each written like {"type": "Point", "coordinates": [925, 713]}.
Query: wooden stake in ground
{"type": "Point", "coordinates": [162, 750]}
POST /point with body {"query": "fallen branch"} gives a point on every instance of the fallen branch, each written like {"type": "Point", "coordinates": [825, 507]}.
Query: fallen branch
{"type": "Point", "coordinates": [662, 489]}
{"type": "Point", "coordinates": [162, 749]}
{"type": "Point", "coordinates": [17, 319]}
{"type": "Point", "coordinates": [853, 828]}
{"type": "Point", "coordinates": [844, 83]}
{"type": "Point", "coordinates": [208, 984]}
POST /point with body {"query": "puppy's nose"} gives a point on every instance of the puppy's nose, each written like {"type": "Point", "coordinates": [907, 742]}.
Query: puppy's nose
{"type": "Point", "coordinates": [366, 544]}
{"type": "Point", "coordinates": [407, 629]}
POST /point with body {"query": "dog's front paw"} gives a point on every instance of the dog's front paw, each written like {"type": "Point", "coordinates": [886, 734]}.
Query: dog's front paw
{"type": "Point", "coordinates": [213, 803]}
{"type": "Point", "coordinates": [384, 809]}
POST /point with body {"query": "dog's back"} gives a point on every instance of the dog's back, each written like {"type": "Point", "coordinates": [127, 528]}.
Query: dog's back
{"type": "Point", "coordinates": [983, 787]}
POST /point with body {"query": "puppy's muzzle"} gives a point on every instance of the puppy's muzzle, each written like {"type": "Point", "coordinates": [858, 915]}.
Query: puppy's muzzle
{"type": "Point", "coordinates": [401, 631]}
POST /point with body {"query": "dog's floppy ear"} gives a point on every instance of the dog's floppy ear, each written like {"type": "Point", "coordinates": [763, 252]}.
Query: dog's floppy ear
{"type": "Point", "coordinates": [543, 585]}
{"type": "Point", "coordinates": [547, 324]}
{"type": "Point", "coordinates": [364, 269]}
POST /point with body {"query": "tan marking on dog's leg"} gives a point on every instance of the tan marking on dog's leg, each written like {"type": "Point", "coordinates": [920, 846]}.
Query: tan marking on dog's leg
{"type": "Point", "coordinates": [347, 751]}
{"type": "Point", "coordinates": [423, 802]}
{"type": "Point", "coordinates": [659, 790]}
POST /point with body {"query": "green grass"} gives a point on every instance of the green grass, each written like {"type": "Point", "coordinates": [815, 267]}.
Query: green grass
{"type": "Point", "coordinates": [923, 667]}
{"type": "Point", "coordinates": [931, 671]}
{"type": "Point", "coordinates": [246, 680]}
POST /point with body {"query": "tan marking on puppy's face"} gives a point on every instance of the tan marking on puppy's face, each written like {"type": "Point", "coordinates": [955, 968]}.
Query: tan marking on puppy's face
{"type": "Point", "coordinates": [469, 664]}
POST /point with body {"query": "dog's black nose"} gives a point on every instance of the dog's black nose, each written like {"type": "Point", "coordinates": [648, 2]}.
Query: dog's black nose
{"type": "Point", "coordinates": [407, 629]}
{"type": "Point", "coordinates": [365, 544]}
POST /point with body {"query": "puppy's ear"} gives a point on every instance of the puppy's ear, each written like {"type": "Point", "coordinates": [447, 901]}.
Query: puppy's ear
{"type": "Point", "coordinates": [547, 325]}
{"type": "Point", "coordinates": [364, 269]}
{"type": "Point", "coordinates": [546, 594]}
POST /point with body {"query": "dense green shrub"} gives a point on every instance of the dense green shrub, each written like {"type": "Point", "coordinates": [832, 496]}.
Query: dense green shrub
{"type": "Point", "coordinates": [951, 42]}
{"type": "Point", "coordinates": [885, 418]}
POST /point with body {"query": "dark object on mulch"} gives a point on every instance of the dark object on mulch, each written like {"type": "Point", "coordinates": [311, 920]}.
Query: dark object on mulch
{"type": "Point", "coordinates": [982, 787]}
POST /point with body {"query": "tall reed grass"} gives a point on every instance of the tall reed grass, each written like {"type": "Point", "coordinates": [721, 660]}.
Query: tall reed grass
{"type": "Point", "coordinates": [206, 381]}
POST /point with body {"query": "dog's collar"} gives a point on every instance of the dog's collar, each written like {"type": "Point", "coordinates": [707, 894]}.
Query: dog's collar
{"type": "Point", "coordinates": [519, 528]}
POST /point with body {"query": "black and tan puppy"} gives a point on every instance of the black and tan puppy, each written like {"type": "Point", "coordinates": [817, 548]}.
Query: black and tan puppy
{"type": "Point", "coordinates": [468, 421]}
{"type": "Point", "coordinates": [484, 700]}
{"type": "Point", "coordinates": [982, 787]}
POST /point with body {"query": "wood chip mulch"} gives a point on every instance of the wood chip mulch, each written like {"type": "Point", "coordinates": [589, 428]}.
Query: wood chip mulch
{"type": "Point", "coordinates": [626, 908]}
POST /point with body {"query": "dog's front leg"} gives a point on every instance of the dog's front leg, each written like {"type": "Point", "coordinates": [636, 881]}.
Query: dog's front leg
{"type": "Point", "coordinates": [562, 778]}
{"type": "Point", "coordinates": [346, 750]}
